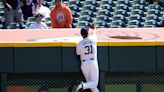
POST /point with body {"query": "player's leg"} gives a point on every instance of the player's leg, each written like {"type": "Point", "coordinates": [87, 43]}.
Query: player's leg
{"type": "Point", "coordinates": [8, 18]}
{"type": "Point", "coordinates": [93, 76]}
{"type": "Point", "coordinates": [84, 69]}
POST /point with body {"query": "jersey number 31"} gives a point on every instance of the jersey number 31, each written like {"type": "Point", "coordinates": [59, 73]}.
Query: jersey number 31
{"type": "Point", "coordinates": [89, 49]}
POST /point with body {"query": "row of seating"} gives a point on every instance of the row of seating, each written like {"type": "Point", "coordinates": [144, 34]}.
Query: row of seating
{"type": "Point", "coordinates": [109, 13]}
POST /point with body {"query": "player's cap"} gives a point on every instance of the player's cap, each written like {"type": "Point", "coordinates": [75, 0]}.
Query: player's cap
{"type": "Point", "coordinates": [84, 32]}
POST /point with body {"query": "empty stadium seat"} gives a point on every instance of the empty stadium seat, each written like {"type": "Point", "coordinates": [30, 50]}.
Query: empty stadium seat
{"type": "Point", "coordinates": [102, 24]}
{"type": "Point", "coordinates": [31, 19]}
{"type": "Point", "coordinates": [141, 2]}
{"type": "Point", "coordinates": [153, 17]}
{"type": "Point", "coordinates": [123, 6]}
{"type": "Point", "coordinates": [103, 18]}
{"type": "Point", "coordinates": [91, 2]}
{"type": "Point", "coordinates": [136, 17]}
{"type": "Point", "coordinates": [107, 7]}
{"type": "Point", "coordinates": [82, 24]}
{"type": "Point", "coordinates": [134, 23]}
{"type": "Point", "coordinates": [150, 23]}
{"type": "Point", "coordinates": [75, 8]}
{"type": "Point", "coordinates": [90, 7]}
{"type": "Point", "coordinates": [119, 17]}
{"type": "Point", "coordinates": [117, 24]}
{"type": "Point", "coordinates": [87, 12]}
{"type": "Point", "coordinates": [104, 12]}
{"type": "Point", "coordinates": [126, 2]}
{"type": "Point", "coordinates": [138, 11]}
{"type": "Point", "coordinates": [109, 2]}
{"type": "Point", "coordinates": [85, 18]}
{"type": "Point", "coordinates": [141, 7]}
{"type": "Point", "coordinates": [121, 12]}
{"type": "Point", "coordinates": [75, 2]}
{"type": "Point", "coordinates": [154, 11]}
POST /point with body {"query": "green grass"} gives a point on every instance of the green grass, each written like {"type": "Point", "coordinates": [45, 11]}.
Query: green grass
{"type": "Point", "coordinates": [120, 88]}
{"type": "Point", "coordinates": [153, 88]}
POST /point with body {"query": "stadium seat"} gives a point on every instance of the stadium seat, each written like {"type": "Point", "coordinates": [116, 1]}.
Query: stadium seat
{"type": "Point", "coordinates": [75, 8]}
{"type": "Point", "coordinates": [74, 25]}
{"type": "Point", "coordinates": [153, 17]}
{"type": "Point", "coordinates": [126, 2]}
{"type": "Point", "coordinates": [90, 7]}
{"type": "Point", "coordinates": [75, 20]}
{"type": "Point", "coordinates": [107, 7]}
{"type": "Point", "coordinates": [103, 18]}
{"type": "Point", "coordinates": [136, 17]}
{"type": "Point", "coordinates": [91, 2]}
{"type": "Point", "coordinates": [82, 24]}
{"type": "Point", "coordinates": [87, 12]}
{"type": "Point", "coordinates": [150, 23]}
{"type": "Point", "coordinates": [117, 24]}
{"type": "Point", "coordinates": [27, 25]}
{"type": "Point", "coordinates": [123, 6]}
{"type": "Point", "coordinates": [121, 12]}
{"type": "Point", "coordinates": [109, 2]}
{"type": "Point", "coordinates": [12, 26]}
{"type": "Point", "coordinates": [141, 2]}
{"type": "Point", "coordinates": [75, 2]}
{"type": "Point", "coordinates": [75, 14]}
{"type": "Point", "coordinates": [119, 17]}
{"type": "Point", "coordinates": [138, 11]}
{"type": "Point", "coordinates": [134, 23]}
{"type": "Point", "coordinates": [30, 19]}
{"type": "Point", "coordinates": [154, 11]}
{"type": "Point", "coordinates": [85, 18]}
{"type": "Point", "coordinates": [104, 12]}
{"type": "Point", "coordinates": [141, 7]}
{"type": "Point", "coordinates": [154, 6]}
{"type": "Point", "coordinates": [47, 20]}
{"type": "Point", "coordinates": [102, 24]}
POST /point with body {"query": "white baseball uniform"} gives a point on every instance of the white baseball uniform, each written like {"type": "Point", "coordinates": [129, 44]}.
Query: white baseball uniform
{"type": "Point", "coordinates": [87, 49]}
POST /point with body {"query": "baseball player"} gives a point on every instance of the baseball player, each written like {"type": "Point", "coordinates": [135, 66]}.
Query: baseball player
{"type": "Point", "coordinates": [87, 49]}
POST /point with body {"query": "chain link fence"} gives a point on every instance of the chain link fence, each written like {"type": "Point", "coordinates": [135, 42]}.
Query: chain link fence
{"type": "Point", "coordinates": [114, 82]}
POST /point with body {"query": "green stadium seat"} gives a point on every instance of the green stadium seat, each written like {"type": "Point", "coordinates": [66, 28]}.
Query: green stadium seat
{"type": "Point", "coordinates": [87, 12]}
{"type": "Point", "coordinates": [90, 7]}
{"type": "Point", "coordinates": [109, 2]}
{"type": "Point", "coordinates": [141, 7]}
{"type": "Point", "coordinates": [150, 23]}
{"type": "Point", "coordinates": [103, 18]}
{"type": "Point", "coordinates": [134, 23]}
{"type": "Point", "coordinates": [107, 7]}
{"type": "Point", "coordinates": [138, 11]}
{"type": "Point", "coordinates": [119, 17]}
{"type": "Point", "coordinates": [31, 19]}
{"type": "Point", "coordinates": [152, 17]}
{"type": "Point", "coordinates": [12, 26]}
{"type": "Point", "coordinates": [126, 2]}
{"type": "Point", "coordinates": [75, 8]}
{"type": "Point", "coordinates": [28, 25]}
{"type": "Point", "coordinates": [47, 19]}
{"type": "Point", "coordinates": [82, 24]}
{"type": "Point", "coordinates": [123, 6]}
{"type": "Point", "coordinates": [141, 2]}
{"type": "Point", "coordinates": [75, 20]}
{"type": "Point", "coordinates": [85, 18]}
{"type": "Point", "coordinates": [136, 17]}
{"type": "Point", "coordinates": [102, 24]}
{"type": "Point", "coordinates": [117, 24]}
{"type": "Point", "coordinates": [104, 12]}
{"type": "Point", "coordinates": [75, 2]}
{"type": "Point", "coordinates": [121, 12]}
{"type": "Point", "coordinates": [75, 14]}
{"type": "Point", "coordinates": [91, 2]}
{"type": "Point", "coordinates": [154, 11]}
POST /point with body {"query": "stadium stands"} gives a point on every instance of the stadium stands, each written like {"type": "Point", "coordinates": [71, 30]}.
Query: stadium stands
{"type": "Point", "coordinates": [108, 13]}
